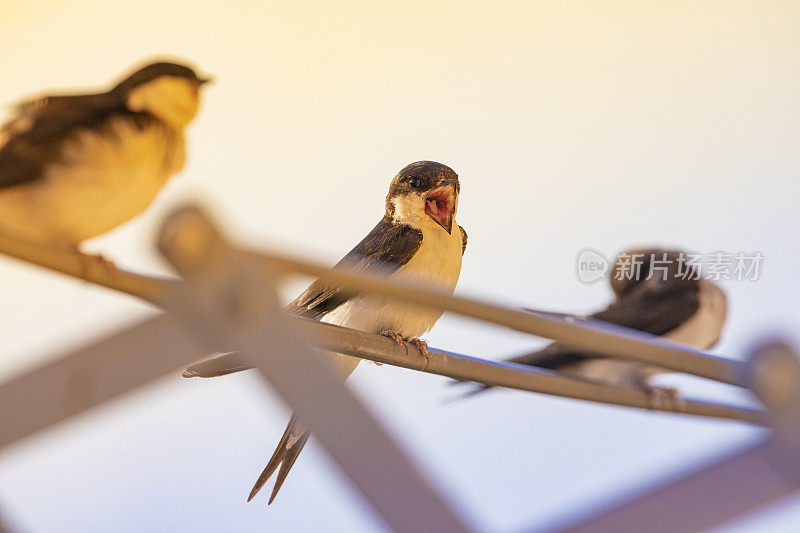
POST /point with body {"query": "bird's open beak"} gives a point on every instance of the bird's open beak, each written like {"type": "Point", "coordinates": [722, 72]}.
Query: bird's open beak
{"type": "Point", "coordinates": [440, 203]}
{"type": "Point", "coordinates": [206, 80]}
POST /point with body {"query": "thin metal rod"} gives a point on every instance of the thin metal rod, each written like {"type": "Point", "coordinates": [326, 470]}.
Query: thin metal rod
{"type": "Point", "coordinates": [120, 363]}
{"type": "Point", "coordinates": [521, 377]}
{"type": "Point", "coordinates": [589, 335]}
{"type": "Point", "coordinates": [151, 289]}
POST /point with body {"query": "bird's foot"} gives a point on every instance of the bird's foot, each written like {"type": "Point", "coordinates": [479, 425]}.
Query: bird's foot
{"type": "Point", "coordinates": [664, 398]}
{"type": "Point", "coordinates": [95, 261]}
{"type": "Point", "coordinates": [422, 346]}
{"type": "Point", "coordinates": [90, 262]}
{"type": "Point", "coordinates": [396, 337]}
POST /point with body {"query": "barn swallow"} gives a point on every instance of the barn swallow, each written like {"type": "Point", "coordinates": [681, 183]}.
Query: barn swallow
{"type": "Point", "coordinates": [417, 240]}
{"type": "Point", "coordinates": [660, 294]}
{"type": "Point", "coordinates": [75, 166]}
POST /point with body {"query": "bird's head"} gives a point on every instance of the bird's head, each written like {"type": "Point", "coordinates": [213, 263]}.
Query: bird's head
{"type": "Point", "coordinates": [652, 265]}
{"type": "Point", "coordinates": [424, 194]}
{"type": "Point", "coordinates": [170, 91]}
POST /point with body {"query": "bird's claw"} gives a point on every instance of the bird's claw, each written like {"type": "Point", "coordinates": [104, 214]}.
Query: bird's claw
{"type": "Point", "coordinates": [422, 346]}
{"type": "Point", "coordinates": [89, 262]}
{"type": "Point", "coordinates": [396, 337]}
{"type": "Point", "coordinates": [664, 398]}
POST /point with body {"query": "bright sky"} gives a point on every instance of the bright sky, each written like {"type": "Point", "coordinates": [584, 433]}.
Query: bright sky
{"type": "Point", "coordinates": [571, 125]}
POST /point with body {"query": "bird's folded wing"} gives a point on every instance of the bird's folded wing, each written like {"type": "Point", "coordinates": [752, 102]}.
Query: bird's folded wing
{"type": "Point", "coordinates": [656, 308]}
{"type": "Point", "coordinates": [30, 139]}
{"type": "Point", "coordinates": [385, 249]}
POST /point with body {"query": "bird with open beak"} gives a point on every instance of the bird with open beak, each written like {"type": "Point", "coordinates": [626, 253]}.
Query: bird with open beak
{"type": "Point", "coordinates": [75, 166]}
{"type": "Point", "coordinates": [662, 295]}
{"type": "Point", "coordinates": [417, 240]}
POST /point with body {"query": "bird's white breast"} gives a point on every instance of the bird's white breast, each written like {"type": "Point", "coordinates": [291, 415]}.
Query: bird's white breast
{"type": "Point", "coordinates": [100, 182]}
{"type": "Point", "coordinates": [704, 328]}
{"type": "Point", "coordinates": [437, 264]}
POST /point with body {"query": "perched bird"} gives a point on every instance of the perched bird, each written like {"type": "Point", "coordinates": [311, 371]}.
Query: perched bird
{"type": "Point", "coordinates": [416, 240]}
{"type": "Point", "coordinates": [75, 166]}
{"type": "Point", "coordinates": [661, 294]}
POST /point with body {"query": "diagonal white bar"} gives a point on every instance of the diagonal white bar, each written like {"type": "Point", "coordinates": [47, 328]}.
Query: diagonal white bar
{"type": "Point", "coordinates": [85, 378]}
{"type": "Point", "coordinates": [715, 494]}
{"type": "Point", "coordinates": [735, 485]}
{"type": "Point", "coordinates": [231, 301]}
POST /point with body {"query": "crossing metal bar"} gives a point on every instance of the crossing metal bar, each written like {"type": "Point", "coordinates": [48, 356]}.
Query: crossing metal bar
{"type": "Point", "coordinates": [100, 372]}
{"type": "Point", "coordinates": [734, 485]}
{"type": "Point", "coordinates": [231, 300]}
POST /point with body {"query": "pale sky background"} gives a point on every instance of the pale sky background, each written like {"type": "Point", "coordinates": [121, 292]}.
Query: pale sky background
{"type": "Point", "coordinates": [571, 125]}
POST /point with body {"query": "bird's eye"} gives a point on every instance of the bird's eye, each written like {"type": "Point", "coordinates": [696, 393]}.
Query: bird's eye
{"type": "Point", "coordinates": [415, 182]}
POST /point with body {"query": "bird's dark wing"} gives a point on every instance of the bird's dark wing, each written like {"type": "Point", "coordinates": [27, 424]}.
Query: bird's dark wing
{"type": "Point", "coordinates": [31, 139]}
{"type": "Point", "coordinates": [655, 306]}
{"type": "Point", "coordinates": [386, 248]}
{"type": "Point", "coordinates": [463, 240]}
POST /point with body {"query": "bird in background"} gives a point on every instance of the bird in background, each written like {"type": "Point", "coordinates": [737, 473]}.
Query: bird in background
{"type": "Point", "coordinates": [661, 294]}
{"type": "Point", "coordinates": [417, 240]}
{"type": "Point", "coordinates": [74, 166]}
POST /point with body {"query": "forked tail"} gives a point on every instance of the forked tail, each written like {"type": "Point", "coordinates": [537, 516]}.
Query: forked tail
{"type": "Point", "coordinates": [290, 446]}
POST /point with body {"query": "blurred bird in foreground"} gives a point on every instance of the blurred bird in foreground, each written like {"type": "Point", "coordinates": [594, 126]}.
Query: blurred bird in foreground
{"type": "Point", "coordinates": [657, 292]}
{"type": "Point", "coordinates": [75, 166]}
{"type": "Point", "coordinates": [417, 240]}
